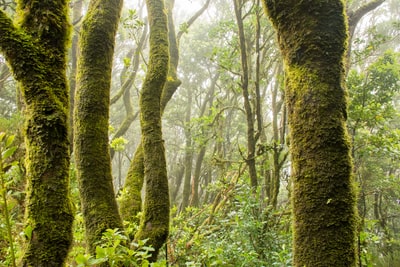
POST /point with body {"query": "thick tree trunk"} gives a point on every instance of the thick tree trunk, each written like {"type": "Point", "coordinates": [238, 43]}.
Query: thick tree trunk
{"type": "Point", "coordinates": [91, 113]}
{"type": "Point", "coordinates": [154, 224]}
{"type": "Point", "coordinates": [36, 52]}
{"type": "Point", "coordinates": [313, 36]}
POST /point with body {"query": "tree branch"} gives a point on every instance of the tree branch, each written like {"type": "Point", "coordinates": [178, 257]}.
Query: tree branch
{"type": "Point", "coordinates": [21, 53]}
{"type": "Point", "coordinates": [193, 19]}
{"type": "Point", "coordinates": [356, 15]}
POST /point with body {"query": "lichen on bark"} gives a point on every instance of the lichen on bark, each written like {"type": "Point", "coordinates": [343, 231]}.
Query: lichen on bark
{"type": "Point", "coordinates": [91, 115]}
{"type": "Point", "coordinates": [312, 36]}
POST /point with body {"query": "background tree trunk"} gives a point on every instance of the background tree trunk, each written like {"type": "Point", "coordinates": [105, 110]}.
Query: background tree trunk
{"type": "Point", "coordinates": [312, 36]}
{"type": "Point", "coordinates": [91, 113]}
{"type": "Point", "coordinates": [251, 136]}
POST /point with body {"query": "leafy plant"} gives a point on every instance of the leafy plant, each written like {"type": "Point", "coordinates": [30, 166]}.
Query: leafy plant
{"type": "Point", "coordinates": [6, 151]}
{"type": "Point", "coordinates": [116, 250]}
{"type": "Point", "coordinates": [245, 232]}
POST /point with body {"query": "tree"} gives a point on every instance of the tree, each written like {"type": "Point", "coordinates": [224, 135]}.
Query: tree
{"type": "Point", "coordinates": [91, 114]}
{"type": "Point", "coordinates": [354, 17]}
{"type": "Point", "coordinates": [252, 134]}
{"type": "Point", "coordinates": [312, 36]}
{"type": "Point", "coordinates": [131, 201]}
{"type": "Point", "coordinates": [35, 49]}
{"type": "Point", "coordinates": [154, 223]}
{"type": "Point", "coordinates": [373, 124]}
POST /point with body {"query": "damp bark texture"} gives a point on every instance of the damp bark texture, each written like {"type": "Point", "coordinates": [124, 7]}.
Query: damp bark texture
{"type": "Point", "coordinates": [155, 220]}
{"type": "Point", "coordinates": [35, 49]}
{"type": "Point", "coordinates": [91, 116]}
{"type": "Point", "coordinates": [312, 36]}
{"type": "Point", "coordinates": [130, 202]}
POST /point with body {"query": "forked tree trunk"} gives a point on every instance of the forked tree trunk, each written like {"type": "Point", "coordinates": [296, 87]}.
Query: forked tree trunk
{"type": "Point", "coordinates": [131, 200]}
{"type": "Point", "coordinates": [312, 36]}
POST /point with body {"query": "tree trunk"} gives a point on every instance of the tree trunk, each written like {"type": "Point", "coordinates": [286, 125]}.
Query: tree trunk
{"type": "Point", "coordinates": [251, 137]}
{"type": "Point", "coordinates": [76, 17]}
{"type": "Point", "coordinates": [312, 36]}
{"type": "Point", "coordinates": [154, 224]}
{"type": "Point", "coordinates": [134, 179]}
{"type": "Point", "coordinates": [188, 161]}
{"type": "Point", "coordinates": [36, 53]}
{"type": "Point", "coordinates": [91, 113]}
{"type": "Point", "coordinates": [130, 202]}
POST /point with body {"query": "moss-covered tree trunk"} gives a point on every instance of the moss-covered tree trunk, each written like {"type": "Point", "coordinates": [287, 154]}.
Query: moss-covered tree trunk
{"type": "Point", "coordinates": [91, 115]}
{"type": "Point", "coordinates": [154, 223]}
{"type": "Point", "coordinates": [312, 36]}
{"type": "Point", "coordinates": [131, 199]}
{"type": "Point", "coordinates": [36, 53]}
{"type": "Point", "coordinates": [130, 202]}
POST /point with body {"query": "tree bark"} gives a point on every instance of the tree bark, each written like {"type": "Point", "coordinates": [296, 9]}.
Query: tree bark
{"type": "Point", "coordinates": [251, 137]}
{"type": "Point", "coordinates": [36, 53]}
{"type": "Point", "coordinates": [130, 202]}
{"type": "Point", "coordinates": [312, 36]}
{"type": "Point", "coordinates": [91, 115]}
{"type": "Point", "coordinates": [154, 224]}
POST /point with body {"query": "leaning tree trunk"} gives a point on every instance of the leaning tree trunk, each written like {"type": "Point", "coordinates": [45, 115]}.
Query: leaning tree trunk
{"type": "Point", "coordinates": [154, 223]}
{"type": "Point", "coordinates": [312, 36]}
{"type": "Point", "coordinates": [91, 117]}
{"type": "Point", "coordinates": [36, 53]}
{"type": "Point", "coordinates": [131, 201]}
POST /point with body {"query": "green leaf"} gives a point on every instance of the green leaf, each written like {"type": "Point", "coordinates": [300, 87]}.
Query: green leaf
{"type": "Point", "coordinates": [93, 261]}
{"type": "Point", "coordinates": [100, 252]}
{"type": "Point", "coordinates": [28, 232]}
{"type": "Point", "coordinates": [127, 62]}
{"type": "Point", "coordinates": [9, 152]}
{"type": "Point", "coordinates": [10, 140]}
{"type": "Point", "coordinates": [81, 259]}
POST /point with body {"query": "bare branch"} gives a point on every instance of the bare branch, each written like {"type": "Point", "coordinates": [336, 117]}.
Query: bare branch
{"type": "Point", "coordinates": [193, 19]}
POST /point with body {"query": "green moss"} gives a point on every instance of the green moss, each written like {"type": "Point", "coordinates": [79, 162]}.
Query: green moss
{"type": "Point", "coordinates": [130, 202]}
{"type": "Point", "coordinates": [38, 64]}
{"type": "Point", "coordinates": [312, 37]}
{"type": "Point", "coordinates": [155, 221]}
{"type": "Point", "coordinates": [91, 115]}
